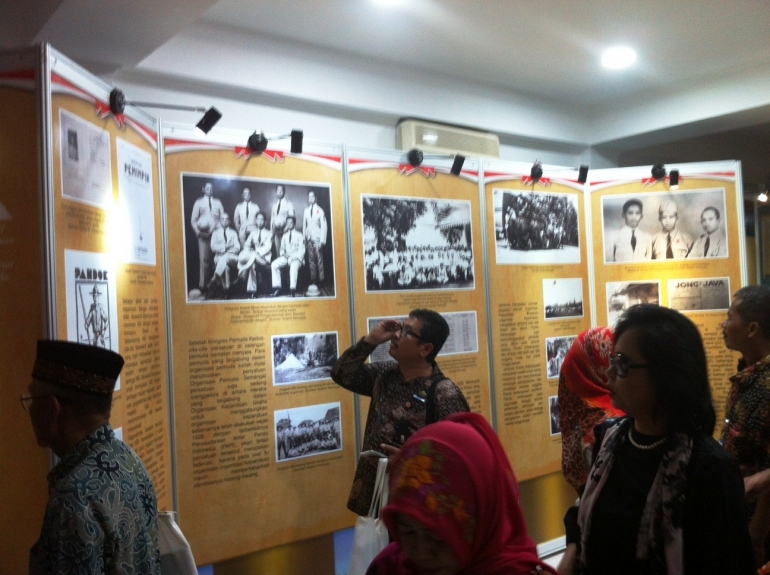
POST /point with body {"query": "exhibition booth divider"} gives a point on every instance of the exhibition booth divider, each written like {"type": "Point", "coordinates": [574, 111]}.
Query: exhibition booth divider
{"type": "Point", "coordinates": [231, 279]}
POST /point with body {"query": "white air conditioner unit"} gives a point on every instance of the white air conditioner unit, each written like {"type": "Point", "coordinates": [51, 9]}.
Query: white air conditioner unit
{"type": "Point", "coordinates": [442, 139]}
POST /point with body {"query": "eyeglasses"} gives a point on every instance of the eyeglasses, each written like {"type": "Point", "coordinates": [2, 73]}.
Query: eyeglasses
{"type": "Point", "coordinates": [405, 331]}
{"type": "Point", "coordinates": [26, 399]}
{"type": "Point", "coordinates": [622, 364]}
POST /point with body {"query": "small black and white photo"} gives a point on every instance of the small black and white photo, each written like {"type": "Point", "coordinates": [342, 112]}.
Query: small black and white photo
{"type": "Point", "coordinates": [463, 335]}
{"type": "Point", "coordinates": [536, 227]}
{"type": "Point", "coordinates": [306, 431]}
{"type": "Point", "coordinates": [699, 294]}
{"type": "Point", "coordinates": [622, 295]}
{"type": "Point", "coordinates": [664, 226]}
{"type": "Point", "coordinates": [563, 298]}
{"type": "Point", "coordinates": [72, 145]}
{"type": "Point", "coordinates": [417, 244]}
{"type": "Point", "coordinates": [305, 357]}
{"type": "Point", "coordinates": [553, 412]}
{"type": "Point", "coordinates": [249, 239]}
{"type": "Point", "coordinates": [556, 349]}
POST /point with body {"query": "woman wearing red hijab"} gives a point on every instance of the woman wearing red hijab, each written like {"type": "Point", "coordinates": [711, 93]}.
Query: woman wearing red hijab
{"type": "Point", "coordinates": [584, 400]}
{"type": "Point", "coordinates": [454, 506]}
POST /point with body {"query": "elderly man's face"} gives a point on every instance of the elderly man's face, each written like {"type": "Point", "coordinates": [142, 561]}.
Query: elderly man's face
{"type": "Point", "coordinates": [41, 412]}
{"type": "Point", "coordinates": [668, 220]}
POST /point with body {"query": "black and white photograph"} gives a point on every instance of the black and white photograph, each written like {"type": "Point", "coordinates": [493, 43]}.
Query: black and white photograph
{"type": "Point", "coordinates": [622, 295]}
{"type": "Point", "coordinates": [463, 335]}
{"type": "Point", "coordinates": [660, 226]}
{"type": "Point", "coordinates": [536, 228]}
{"type": "Point", "coordinates": [563, 298]}
{"type": "Point", "coordinates": [699, 294]}
{"type": "Point", "coordinates": [304, 357]}
{"type": "Point", "coordinates": [254, 239]}
{"type": "Point", "coordinates": [417, 244]}
{"type": "Point", "coordinates": [556, 349]}
{"type": "Point", "coordinates": [306, 431]}
{"type": "Point", "coordinates": [553, 413]}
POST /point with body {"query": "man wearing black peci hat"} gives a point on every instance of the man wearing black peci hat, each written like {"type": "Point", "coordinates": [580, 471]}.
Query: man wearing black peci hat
{"type": "Point", "coordinates": [102, 511]}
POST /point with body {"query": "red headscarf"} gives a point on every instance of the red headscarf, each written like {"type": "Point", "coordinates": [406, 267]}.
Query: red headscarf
{"type": "Point", "coordinates": [584, 400]}
{"type": "Point", "coordinates": [454, 478]}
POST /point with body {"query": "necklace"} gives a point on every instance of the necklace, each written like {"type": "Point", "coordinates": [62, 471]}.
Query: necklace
{"type": "Point", "coordinates": [652, 445]}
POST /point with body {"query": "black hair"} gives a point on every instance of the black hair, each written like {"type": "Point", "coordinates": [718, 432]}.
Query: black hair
{"type": "Point", "coordinates": [755, 306]}
{"type": "Point", "coordinates": [435, 329]}
{"type": "Point", "coordinates": [713, 209]}
{"type": "Point", "coordinates": [672, 346]}
{"type": "Point", "coordinates": [633, 202]}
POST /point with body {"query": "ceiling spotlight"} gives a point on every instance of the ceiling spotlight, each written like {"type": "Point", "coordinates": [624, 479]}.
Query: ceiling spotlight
{"type": "Point", "coordinates": [673, 179]}
{"type": "Point", "coordinates": [537, 171]}
{"type": "Point", "coordinates": [457, 165]}
{"type": "Point", "coordinates": [415, 157]}
{"type": "Point", "coordinates": [583, 174]}
{"type": "Point", "coordinates": [762, 197]}
{"type": "Point", "coordinates": [257, 142]}
{"type": "Point", "coordinates": [618, 57]}
{"type": "Point", "coordinates": [296, 141]}
{"type": "Point", "coordinates": [211, 117]}
{"type": "Point", "coordinates": [659, 172]}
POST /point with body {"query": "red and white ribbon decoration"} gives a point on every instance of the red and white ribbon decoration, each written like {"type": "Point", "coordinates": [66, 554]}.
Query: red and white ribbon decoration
{"type": "Point", "coordinates": [529, 180]}
{"type": "Point", "coordinates": [272, 155]}
{"type": "Point", "coordinates": [653, 181]}
{"type": "Point", "coordinates": [103, 110]}
{"type": "Point", "coordinates": [409, 169]}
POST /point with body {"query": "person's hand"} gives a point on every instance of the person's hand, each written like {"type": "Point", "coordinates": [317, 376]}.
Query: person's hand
{"type": "Point", "coordinates": [383, 331]}
{"type": "Point", "coordinates": [568, 560]}
{"type": "Point", "coordinates": [757, 483]}
{"type": "Point", "coordinates": [391, 451]}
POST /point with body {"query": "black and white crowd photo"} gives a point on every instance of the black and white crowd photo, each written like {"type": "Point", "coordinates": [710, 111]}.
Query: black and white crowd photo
{"type": "Point", "coordinates": [563, 298]}
{"type": "Point", "coordinates": [553, 413]}
{"type": "Point", "coordinates": [536, 227]}
{"type": "Point", "coordinates": [248, 239]}
{"type": "Point", "coordinates": [556, 349]}
{"type": "Point", "coordinates": [308, 430]}
{"type": "Point", "coordinates": [417, 244]}
{"type": "Point", "coordinates": [304, 357]}
{"type": "Point", "coordinates": [661, 226]}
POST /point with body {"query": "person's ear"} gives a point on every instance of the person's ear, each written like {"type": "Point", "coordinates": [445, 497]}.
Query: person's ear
{"type": "Point", "coordinates": [754, 330]}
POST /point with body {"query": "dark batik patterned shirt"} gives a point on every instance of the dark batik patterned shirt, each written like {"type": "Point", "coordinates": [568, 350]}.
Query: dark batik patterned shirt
{"type": "Point", "coordinates": [746, 434]}
{"type": "Point", "coordinates": [102, 513]}
{"type": "Point", "coordinates": [392, 401]}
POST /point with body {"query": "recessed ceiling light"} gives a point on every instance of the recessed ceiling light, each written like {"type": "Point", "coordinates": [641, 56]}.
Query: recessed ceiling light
{"type": "Point", "coordinates": [618, 57]}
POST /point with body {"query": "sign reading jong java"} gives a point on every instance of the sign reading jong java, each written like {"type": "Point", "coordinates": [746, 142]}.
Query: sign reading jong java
{"type": "Point", "coordinates": [92, 308]}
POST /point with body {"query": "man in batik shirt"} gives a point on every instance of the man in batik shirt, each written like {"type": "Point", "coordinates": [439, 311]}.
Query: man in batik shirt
{"type": "Point", "coordinates": [101, 516]}
{"type": "Point", "coordinates": [405, 395]}
{"type": "Point", "coordinates": [746, 433]}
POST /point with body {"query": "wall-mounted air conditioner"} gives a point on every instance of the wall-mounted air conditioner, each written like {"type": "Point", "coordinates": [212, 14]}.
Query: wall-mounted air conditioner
{"type": "Point", "coordinates": [443, 139]}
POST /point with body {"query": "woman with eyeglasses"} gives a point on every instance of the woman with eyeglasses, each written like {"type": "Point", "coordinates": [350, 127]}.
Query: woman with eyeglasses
{"type": "Point", "coordinates": [662, 496]}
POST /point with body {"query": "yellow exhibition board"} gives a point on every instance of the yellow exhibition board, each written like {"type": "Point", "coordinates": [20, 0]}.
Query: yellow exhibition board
{"type": "Point", "coordinates": [417, 243]}
{"type": "Point", "coordinates": [25, 465]}
{"type": "Point", "coordinates": [693, 277]}
{"type": "Point", "coordinates": [265, 440]}
{"type": "Point", "coordinates": [539, 302]}
{"type": "Point", "coordinates": [107, 256]}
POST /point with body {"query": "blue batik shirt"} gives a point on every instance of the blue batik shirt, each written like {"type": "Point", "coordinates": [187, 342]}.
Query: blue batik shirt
{"type": "Point", "coordinates": [102, 514]}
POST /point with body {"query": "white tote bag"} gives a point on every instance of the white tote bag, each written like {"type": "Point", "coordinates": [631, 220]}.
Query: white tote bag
{"type": "Point", "coordinates": [176, 558]}
{"type": "Point", "coordinates": [370, 535]}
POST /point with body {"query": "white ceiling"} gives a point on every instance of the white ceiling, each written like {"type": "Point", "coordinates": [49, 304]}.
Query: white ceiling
{"type": "Point", "coordinates": [710, 56]}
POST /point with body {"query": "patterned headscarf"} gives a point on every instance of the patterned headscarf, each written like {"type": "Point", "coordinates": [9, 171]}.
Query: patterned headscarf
{"type": "Point", "coordinates": [454, 478]}
{"type": "Point", "coordinates": [584, 400]}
